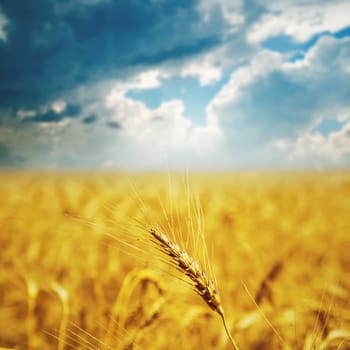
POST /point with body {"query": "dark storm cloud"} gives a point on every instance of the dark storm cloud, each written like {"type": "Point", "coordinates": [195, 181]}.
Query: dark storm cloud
{"type": "Point", "coordinates": [113, 125]}
{"type": "Point", "coordinates": [180, 51]}
{"type": "Point", "coordinates": [51, 116]}
{"type": "Point", "coordinates": [8, 159]}
{"type": "Point", "coordinates": [72, 110]}
{"type": "Point", "coordinates": [90, 119]}
{"type": "Point", "coordinates": [55, 45]}
{"type": "Point", "coordinates": [48, 117]}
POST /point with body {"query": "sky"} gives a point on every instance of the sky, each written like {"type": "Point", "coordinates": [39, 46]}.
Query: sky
{"type": "Point", "coordinates": [175, 84]}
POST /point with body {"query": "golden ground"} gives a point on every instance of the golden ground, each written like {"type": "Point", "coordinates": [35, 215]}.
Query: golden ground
{"type": "Point", "coordinates": [74, 276]}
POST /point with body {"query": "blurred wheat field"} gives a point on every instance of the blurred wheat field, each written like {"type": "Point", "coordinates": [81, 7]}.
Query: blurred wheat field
{"type": "Point", "coordinates": [70, 278]}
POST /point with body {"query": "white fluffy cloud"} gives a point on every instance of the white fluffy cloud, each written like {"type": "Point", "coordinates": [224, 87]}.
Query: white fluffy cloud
{"type": "Point", "coordinates": [210, 67]}
{"type": "Point", "coordinates": [273, 101]}
{"type": "Point", "coordinates": [164, 126]}
{"type": "Point", "coordinates": [125, 133]}
{"type": "Point", "coordinates": [133, 135]}
{"type": "Point", "coordinates": [313, 149]}
{"type": "Point", "coordinates": [149, 79]}
{"type": "Point", "coordinates": [206, 71]}
{"type": "Point", "coordinates": [300, 20]}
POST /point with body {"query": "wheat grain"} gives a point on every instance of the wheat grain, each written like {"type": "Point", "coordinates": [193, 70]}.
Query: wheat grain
{"type": "Point", "coordinates": [187, 265]}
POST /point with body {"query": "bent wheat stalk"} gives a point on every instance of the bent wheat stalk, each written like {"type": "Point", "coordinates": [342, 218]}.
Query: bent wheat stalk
{"type": "Point", "coordinates": [191, 268]}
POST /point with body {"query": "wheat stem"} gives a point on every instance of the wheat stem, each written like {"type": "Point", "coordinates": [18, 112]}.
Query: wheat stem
{"type": "Point", "coordinates": [227, 331]}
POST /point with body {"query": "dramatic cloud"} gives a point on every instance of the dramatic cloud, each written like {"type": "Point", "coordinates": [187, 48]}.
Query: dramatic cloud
{"type": "Point", "coordinates": [133, 84]}
{"type": "Point", "coordinates": [70, 43]}
{"type": "Point", "coordinates": [57, 112]}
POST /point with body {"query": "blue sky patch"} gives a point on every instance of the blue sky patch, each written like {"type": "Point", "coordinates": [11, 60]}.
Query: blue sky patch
{"type": "Point", "coordinates": [342, 33]}
{"type": "Point", "coordinates": [326, 126]}
{"type": "Point", "coordinates": [285, 43]}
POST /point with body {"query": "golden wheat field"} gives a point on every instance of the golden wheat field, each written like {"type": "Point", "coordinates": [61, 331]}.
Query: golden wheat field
{"type": "Point", "coordinates": [80, 269]}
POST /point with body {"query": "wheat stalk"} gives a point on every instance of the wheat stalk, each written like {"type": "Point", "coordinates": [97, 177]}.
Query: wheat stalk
{"type": "Point", "coordinates": [187, 265]}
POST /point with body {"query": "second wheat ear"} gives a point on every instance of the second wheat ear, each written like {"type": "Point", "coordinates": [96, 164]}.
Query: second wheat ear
{"type": "Point", "coordinates": [187, 265]}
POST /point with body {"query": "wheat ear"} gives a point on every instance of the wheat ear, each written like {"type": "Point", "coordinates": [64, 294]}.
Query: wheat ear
{"type": "Point", "coordinates": [184, 263]}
